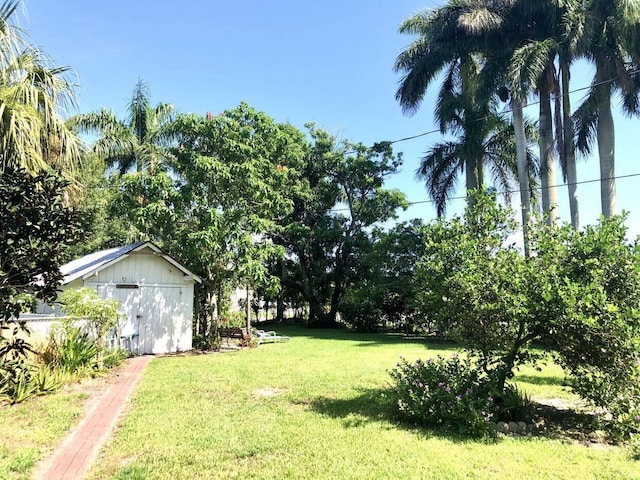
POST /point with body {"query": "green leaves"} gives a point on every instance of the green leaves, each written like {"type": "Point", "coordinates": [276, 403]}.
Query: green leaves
{"type": "Point", "coordinates": [578, 292]}
{"type": "Point", "coordinates": [36, 231]}
{"type": "Point", "coordinates": [337, 198]}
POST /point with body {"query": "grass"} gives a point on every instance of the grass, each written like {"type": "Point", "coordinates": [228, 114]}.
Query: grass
{"type": "Point", "coordinates": [317, 407]}
{"type": "Point", "coordinates": [30, 430]}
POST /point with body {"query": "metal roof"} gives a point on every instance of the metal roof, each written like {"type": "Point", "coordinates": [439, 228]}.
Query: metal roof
{"type": "Point", "coordinates": [89, 265]}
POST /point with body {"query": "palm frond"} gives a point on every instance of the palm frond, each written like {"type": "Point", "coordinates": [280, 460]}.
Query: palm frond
{"type": "Point", "coordinates": [439, 169]}
{"type": "Point", "coordinates": [585, 119]}
{"type": "Point", "coordinates": [528, 64]}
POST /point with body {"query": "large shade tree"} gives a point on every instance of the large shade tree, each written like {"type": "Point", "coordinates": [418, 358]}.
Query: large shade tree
{"type": "Point", "coordinates": [219, 206]}
{"type": "Point", "coordinates": [338, 199]}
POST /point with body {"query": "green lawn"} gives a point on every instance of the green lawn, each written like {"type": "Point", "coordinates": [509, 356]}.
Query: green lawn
{"type": "Point", "coordinates": [30, 430]}
{"type": "Point", "coordinates": [315, 408]}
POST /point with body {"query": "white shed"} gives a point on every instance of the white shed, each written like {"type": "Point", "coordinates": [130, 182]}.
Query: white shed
{"type": "Point", "coordinates": [156, 293]}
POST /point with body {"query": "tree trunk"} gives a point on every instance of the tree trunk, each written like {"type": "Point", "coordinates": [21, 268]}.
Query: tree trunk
{"type": "Point", "coordinates": [547, 157]}
{"type": "Point", "coordinates": [248, 311]}
{"type": "Point", "coordinates": [523, 171]}
{"type": "Point", "coordinates": [471, 172]}
{"type": "Point", "coordinates": [316, 312]}
{"type": "Point", "coordinates": [211, 316]}
{"type": "Point", "coordinates": [332, 316]}
{"type": "Point", "coordinates": [606, 151]}
{"type": "Point", "coordinates": [280, 300]}
{"type": "Point", "coordinates": [569, 147]}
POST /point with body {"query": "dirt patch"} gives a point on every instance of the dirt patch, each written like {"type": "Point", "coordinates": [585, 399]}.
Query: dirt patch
{"type": "Point", "coordinates": [267, 392]}
{"type": "Point", "coordinates": [566, 420]}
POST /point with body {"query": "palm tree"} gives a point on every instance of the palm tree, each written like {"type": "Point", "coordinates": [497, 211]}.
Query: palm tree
{"type": "Point", "coordinates": [449, 34]}
{"type": "Point", "coordinates": [567, 150]}
{"type": "Point", "coordinates": [140, 141]}
{"type": "Point", "coordinates": [532, 68]}
{"type": "Point", "coordinates": [485, 139]}
{"type": "Point", "coordinates": [33, 135]}
{"type": "Point", "coordinates": [609, 38]}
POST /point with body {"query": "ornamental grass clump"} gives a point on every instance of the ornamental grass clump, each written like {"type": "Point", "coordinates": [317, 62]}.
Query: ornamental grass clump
{"type": "Point", "coordinates": [445, 393]}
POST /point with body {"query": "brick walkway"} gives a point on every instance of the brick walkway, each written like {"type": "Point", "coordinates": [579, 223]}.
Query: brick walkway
{"type": "Point", "coordinates": [78, 452]}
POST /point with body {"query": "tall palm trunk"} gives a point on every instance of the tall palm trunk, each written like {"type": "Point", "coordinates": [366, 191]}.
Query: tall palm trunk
{"type": "Point", "coordinates": [547, 157]}
{"type": "Point", "coordinates": [472, 180]}
{"type": "Point", "coordinates": [606, 151]}
{"type": "Point", "coordinates": [523, 173]}
{"type": "Point", "coordinates": [569, 149]}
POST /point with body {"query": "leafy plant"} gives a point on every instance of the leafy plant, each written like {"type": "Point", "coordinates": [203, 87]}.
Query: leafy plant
{"type": "Point", "coordinates": [207, 342]}
{"type": "Point", "coordinates": [47, 380]}
{"type": "Point", "coordinates": [478, 288]}
{"type": "Point", "coordinates": [70, 349]}
{"type": "Point", "coordinates": [113, 358]}
{"type": "Point", "coordinates": [16, 383]}
{"type": "Point", "coordinates": [578, 292]}
{"type": "Point", "coordinates": [514, 404]}
{"type": "Point", "coordinates": [36, 230]}
{"type": "Point", "coordinates": [447, 393]}
{"type": "Point", "coordinates": [233, 320]}
{"type": "Point", "coordinates": [101, 314]}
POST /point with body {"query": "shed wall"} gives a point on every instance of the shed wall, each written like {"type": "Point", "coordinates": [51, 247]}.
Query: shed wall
{"type": "Point", "coordinates": [157, 301]}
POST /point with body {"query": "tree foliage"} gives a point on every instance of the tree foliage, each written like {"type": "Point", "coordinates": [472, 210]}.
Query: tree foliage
{"type": "Point", "coordinates": [385, 296]}
{"type": "Point", "coordinates": [578, 292]}
{"type": "Point", "coordinates": [37, 229]}
{"type": "Point", "coordinates": [100, 314]}
{"type": "Point", "coordinates": [338, 199]}
{"type": "Point", "coordinates": [220, 204]}
{"type": "Point", "coordinates": [33, 94]}
{"type": "Point", "coordinates": [139, 142]}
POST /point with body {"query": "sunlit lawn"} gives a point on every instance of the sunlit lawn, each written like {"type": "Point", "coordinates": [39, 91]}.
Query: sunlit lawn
{"type": "Point", "coordinates": [31, 430]}
{"type": "Point", "coordinates": [315, 408]}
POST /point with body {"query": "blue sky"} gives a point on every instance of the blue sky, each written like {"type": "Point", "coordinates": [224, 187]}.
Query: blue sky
{"type": "Point", "coordinates": [325, 62]}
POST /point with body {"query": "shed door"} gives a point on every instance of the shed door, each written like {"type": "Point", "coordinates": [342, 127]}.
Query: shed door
{"type": "Point", "coordinates": [129, 297]}
{"type": "Point", "coordinates": [162, 319]}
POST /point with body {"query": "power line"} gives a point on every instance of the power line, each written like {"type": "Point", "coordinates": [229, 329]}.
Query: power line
{"type": "Point", "coordinates": [506, 111]}
{"type": "Point", "coordinates": [505, 192]}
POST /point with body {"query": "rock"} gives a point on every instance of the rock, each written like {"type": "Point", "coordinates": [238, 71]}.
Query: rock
{"type": "Point", "coordinates": [493, 427]}
{"type": "Point", "coordinates": [513, 427]}
{"type": "Point", "coordinates": [503, 427]}
{"type": "Point", "coordinates": [522, 427]}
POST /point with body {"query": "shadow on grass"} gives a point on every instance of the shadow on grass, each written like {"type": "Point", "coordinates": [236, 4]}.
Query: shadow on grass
{"type": "Point", "coordinates": [377, 405]}
{"type": "Point", "coordinates": [548, 380]}
{"type": "Point", "coordinates": [363, 339]}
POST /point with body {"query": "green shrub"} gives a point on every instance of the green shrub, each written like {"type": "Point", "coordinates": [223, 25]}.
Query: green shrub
{"type": "Point", "coordinates": [624, 423]}
{"type": "Point", "coordinates": [16, 380]}
{"type": "Point", "coordinates": [514, 404]}
{"type": "Point", "coordinates": [48, 380]}
{"type": "Point", "coordinates": [70, 349]}
{"type": "Point", "coordinates": [634, 447]}
{"type": "Point", "coordinates": [233, 319]}
{"type": "Point", "coordinates": [113, 358]}
{"type": "Point", "coordinates": [100, 314]}
{"type": "Point", "coordinates": [445, 393]}
{"type": "Point", "coordinates": [207, 342]}
{"type": "Point", "coordinates": [578, 293]}
{"type": "Point", "coordinates": [360, 312]}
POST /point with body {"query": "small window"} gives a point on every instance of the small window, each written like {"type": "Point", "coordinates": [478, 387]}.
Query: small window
{"type": "Point", "coordinates": [127, 285]}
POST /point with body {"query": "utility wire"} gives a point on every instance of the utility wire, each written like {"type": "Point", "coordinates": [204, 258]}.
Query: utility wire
{"type": "Point", "coordinates": [505, 111]}
{"type": "Point", "coordinates": [505, 192]}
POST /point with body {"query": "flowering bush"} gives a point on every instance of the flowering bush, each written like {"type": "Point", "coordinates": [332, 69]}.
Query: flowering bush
{"type": "Point", "coordinates": [446, 393]}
